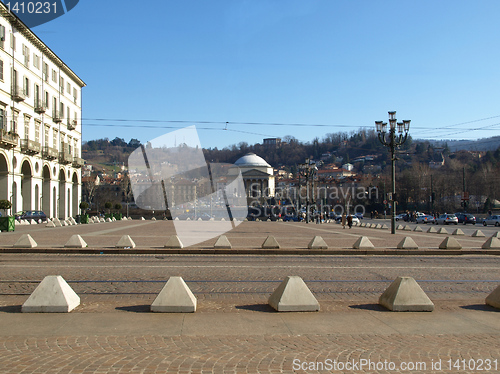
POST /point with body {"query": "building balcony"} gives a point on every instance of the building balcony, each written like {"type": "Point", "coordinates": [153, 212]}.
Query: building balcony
{"type": "Point", "coordinates": [30, 147]}
{"type": "Point", "coordinates": [65, 157]}
{"type": "Point", "coordinates": [18, 94]}
{"type": "Point", "coordinates": [57, 116]}
{"type": "Point", "coordinates": [40, 107]}
{"type": "Point", "coordinates": [72, 124]}
{"type": "Point", "coordinates": [49, 153]}
{"type": "Point", "coordinates": [8, 139]}
{"type": "Point", "coordinates": [78, 162]}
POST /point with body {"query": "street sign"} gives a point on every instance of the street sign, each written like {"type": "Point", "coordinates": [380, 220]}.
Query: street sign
{"type": "Point", "coordinates": [385, 201]}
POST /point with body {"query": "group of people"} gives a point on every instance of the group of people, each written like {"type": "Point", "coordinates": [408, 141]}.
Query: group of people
{"type": "Point", "coordinates": [346, 220]}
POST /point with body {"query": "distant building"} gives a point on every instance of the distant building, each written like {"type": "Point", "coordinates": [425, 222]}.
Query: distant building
{"type": "Point", "coordinates": [348, 166]}
{"type": "Point", "coordinates": [272, 142]}
{"type": "Point", "coordinates": [40, 124]}
{"type": "Point", "coordinates": [257, 176]}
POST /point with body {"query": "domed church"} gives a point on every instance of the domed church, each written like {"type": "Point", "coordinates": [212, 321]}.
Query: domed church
{"type": "Point", "coordinates": [257, 175]}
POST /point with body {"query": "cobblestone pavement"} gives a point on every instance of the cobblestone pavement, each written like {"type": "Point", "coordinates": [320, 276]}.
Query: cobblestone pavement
{"type": "Point", "coordinates": [234, 331]}
{"type": "Point", "coordinates": [250, 354]}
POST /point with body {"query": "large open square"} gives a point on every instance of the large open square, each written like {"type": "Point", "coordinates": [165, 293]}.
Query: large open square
{"type": "Point", "coordinates": [234, 330]}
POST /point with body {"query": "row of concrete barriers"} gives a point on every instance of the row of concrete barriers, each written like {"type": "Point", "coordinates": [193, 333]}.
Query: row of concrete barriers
{"type": "Point", "coordinates": [54, 295]}
{"type": "Point", "coordinates": [317, 242]}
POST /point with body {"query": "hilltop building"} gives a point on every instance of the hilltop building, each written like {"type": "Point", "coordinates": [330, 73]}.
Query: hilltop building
{"type": "Point", "coordinates": [40, 124]}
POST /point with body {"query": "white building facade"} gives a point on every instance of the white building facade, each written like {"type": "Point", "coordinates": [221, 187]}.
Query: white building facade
{"type": "Point", "coordinates": [40, 124]}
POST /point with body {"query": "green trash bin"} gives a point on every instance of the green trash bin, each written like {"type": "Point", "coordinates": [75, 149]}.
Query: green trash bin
{"type": "Point", "coordinates": [7, 223]}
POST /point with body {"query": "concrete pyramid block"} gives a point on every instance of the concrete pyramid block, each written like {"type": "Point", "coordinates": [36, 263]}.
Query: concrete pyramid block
{"type": "Point", "coordinates": [385, 227]}
{"type": "Point", "coordinates": [176, 218]}
{"type": "Point", "coordinates": [153, 219]}
{"type": "Point", "coordinates": [113, 219]}
{"type": "Point", "coordinates": [363, 243]}
{"type": "Point", "coordinates": [270, 243]}
{"type": "Point", "coordinates": [432, 230]}
{"type": "Point", "coordinates": [175, 297]}
{"type": "Point", "coordinates": [418, 229]}
{"type": "Point", "coordinates": [407, 228]}
{"type": "Point", "coordinates": [478, 234]}
{"type": "Point", "coordinates": [293, 295]}
{"type": "Point", "coordinates": [108, 220]}
{"type": "Point", "coordinates": [457, 232]}
{"type": "Point", "coordinates": [491, 243]}
{"type": "Point", "coordinates": [317, 243]}
{"type": "Point", "coordinates": [496, 235]}
{"type": "Point", "coordinates": [222, 243]}
{"type": "Point", "coordinates": [450, 243]}
{"type": "Point", "coordinates": [57, 223]}
{"type": "Point", "coordinates": [102, 220]}
{"type": "Point", "coordinates": [69, 222]}
{"type": "Point", "coordinates": [399, 227]}
{"type": "Point", "coordinates": [25, 241]}
{"type": "Point", "coordinates": [143, 219]}
{"type": "Point", "coordinates": [442, 230]}
{"type": "Point", "coordinates": [493, 298]}
{"type": "Point", "coordinates": [407, 243]}
{"type": "Point", "coordinates": [65, 223]}
{"type": "Point", "coordinates": [52, 295]}
{"type": "Point", "coordinates": [73, 221]}
{"type": "Point", "coordinates": [379, 226]}
{"type": "Point", "coordinates": [50, 224]}
{"type": "Point", "coordinates": [125, 242]}
{"type": "Point", "coordinates": [405, 295]}
{"type": "Point", "coordinates": [174, 242]}
{"type": "Point", "coordinates": [76, 241]}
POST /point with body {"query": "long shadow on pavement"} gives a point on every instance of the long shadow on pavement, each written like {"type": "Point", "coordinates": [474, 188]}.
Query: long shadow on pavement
{"type": "Point", "coordinates": [374, 307]}
{"type": "Point", "coordinates": [11, 308]}
{"type": "Point", "coordinates": [481, 307]}
{"type": "Point", "coordinates": [257, 308]}
{"type": "Point", "coordinates": [135, 308]}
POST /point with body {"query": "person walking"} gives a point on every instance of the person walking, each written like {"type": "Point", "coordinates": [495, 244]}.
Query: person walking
{"type": "Point", "coordinates": [343, 220]}
{"type": "Point", "coordinates": [349, 221]}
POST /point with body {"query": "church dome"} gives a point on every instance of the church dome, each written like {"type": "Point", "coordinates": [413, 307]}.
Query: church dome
{"type": "Point", "coordinates": [251, 159]}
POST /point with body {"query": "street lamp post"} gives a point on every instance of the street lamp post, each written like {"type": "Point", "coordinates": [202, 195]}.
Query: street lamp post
{"type": "Point", "coordinates": [308, 171]}
{"type": "Point", "coordinates": [392, 141]}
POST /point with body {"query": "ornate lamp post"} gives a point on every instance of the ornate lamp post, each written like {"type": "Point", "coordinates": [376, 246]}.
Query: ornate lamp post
{"type": "Point", "coordinates": [392, 141]}
{"type": "Point", "coordinates": [308, 171]}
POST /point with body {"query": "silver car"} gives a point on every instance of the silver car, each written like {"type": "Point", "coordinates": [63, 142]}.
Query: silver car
{"type": "Point", "coordinates": [446, 219]}
{"type": "Point", "coordinates": [425, 219]}
{"type": "Point", "coordinates": [492, 220]}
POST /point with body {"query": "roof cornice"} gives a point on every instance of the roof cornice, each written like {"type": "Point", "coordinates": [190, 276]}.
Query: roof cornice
{"type": "Point", "coordinates": [19, 25]}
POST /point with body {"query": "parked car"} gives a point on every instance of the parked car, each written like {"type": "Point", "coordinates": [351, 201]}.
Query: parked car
{"type": "Point", "coordinates": [492, 220]}
{"type": "Point", "coordinates": [425, 219]}
{"type": "Point", "coordinates": [402, 216]}
{"type": "Point", "coordinates": [466, 218]}
{"type": "Point", "coordinates": [359, 215]}
{"type": "Point", "coordinates": [446, 219]}
{"type": "Point", "coordinates": [36, 215]}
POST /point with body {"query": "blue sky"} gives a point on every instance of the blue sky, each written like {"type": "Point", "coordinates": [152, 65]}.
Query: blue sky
{"type": "Point", "coordinates": [263, 65]}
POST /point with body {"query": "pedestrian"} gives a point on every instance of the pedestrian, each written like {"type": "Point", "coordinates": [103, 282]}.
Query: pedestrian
{"type": "Point", "coordinates": [344, 221]}
{"type": "Point", "coordinates": [349, 221]}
